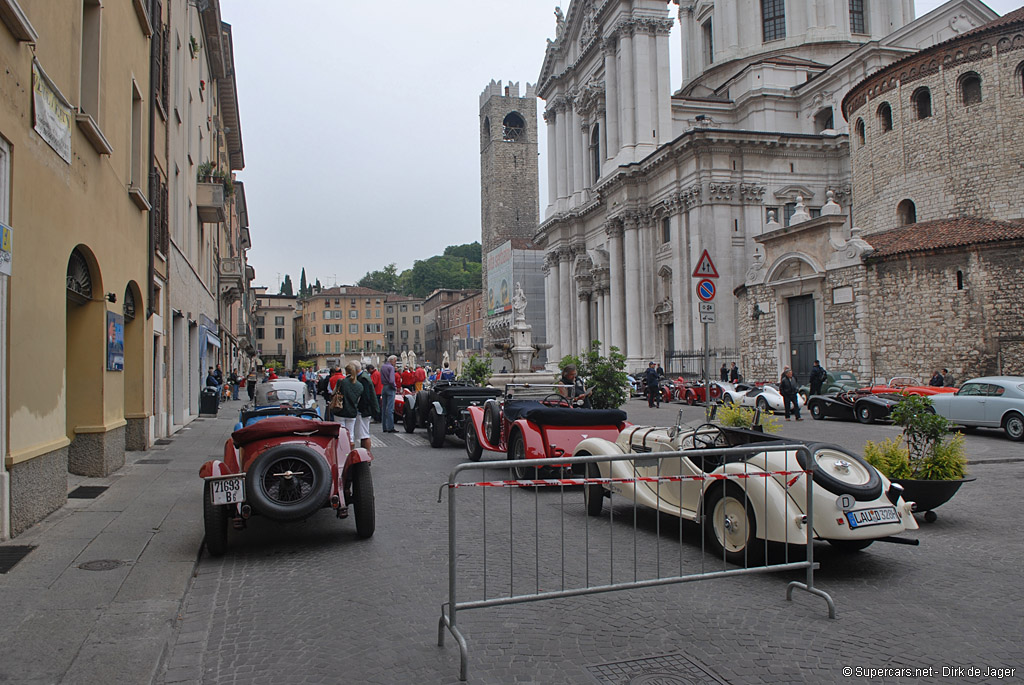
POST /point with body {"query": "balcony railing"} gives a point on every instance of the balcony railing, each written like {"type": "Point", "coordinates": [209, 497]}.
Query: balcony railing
{"type": "Point", "coordinates": [210, 202]}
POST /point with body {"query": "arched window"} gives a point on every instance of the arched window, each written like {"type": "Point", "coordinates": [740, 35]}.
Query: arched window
{"type": "Point", "coordinates": [79, 278]}
{"type": "Point", "coordinates": [859, 128]}
{"type": "Point", "coordinates": [487, 128]}
{"type": "Point", "coordinates": [922, 101]}
{"type": "Point", "coordinates": [885, 117]}
{"type": "Point", "coordinates": [906, 213]}
{"type": "Point", "coordinates": [1020, 78]}
{"type": "Point", "coordinates": [970, 88]}
{"type": "Point", "coordinates": [823, 120]}
{"type": "Point", "coordinates": [513, 127]}
{"type": "Point", "coordinates": [595, 152]}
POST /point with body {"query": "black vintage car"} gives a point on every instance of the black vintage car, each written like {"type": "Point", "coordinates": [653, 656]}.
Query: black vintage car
{"type": "Point", "coordinates": [442, 408]}
{"type": "Point", "coordinates": [853, 404]}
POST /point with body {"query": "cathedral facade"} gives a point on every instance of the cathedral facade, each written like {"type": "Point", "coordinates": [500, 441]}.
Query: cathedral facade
{"type": "Point", "coordinates": [642, 177]}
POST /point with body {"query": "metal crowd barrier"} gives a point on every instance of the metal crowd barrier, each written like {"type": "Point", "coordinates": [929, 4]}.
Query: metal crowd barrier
{"type": "Point", "coordinates": [491, 577]}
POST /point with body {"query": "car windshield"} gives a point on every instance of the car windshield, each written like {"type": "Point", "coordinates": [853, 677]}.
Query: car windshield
{"type": "Point", "coordinates": [845, 376]}
{"type": "Point", "coordinates": [282, 395]}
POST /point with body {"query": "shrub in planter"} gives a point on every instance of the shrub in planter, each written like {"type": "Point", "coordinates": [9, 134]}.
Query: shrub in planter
{"type": "Point", "coordinates": [735, 416]}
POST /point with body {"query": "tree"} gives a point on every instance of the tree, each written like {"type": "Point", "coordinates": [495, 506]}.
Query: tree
{"type": "Point", "coordinates": [606, 376]}
{"type": "Point", "coordinates": [286, 287]}
{"type": "Point", "coordinates": [477, 369]}
{"type": "Point", "coordinates": [385, 279]}
{"type": "Point", "coordinates": [469, 251]}
{"type": "Point", "coordinates": [317, 287]}
{"type": "Point", "coordinates": [303, 288]}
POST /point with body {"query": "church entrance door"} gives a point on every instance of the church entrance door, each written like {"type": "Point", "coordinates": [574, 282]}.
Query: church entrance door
{"type": "Point", "coordinates": [801, 336]}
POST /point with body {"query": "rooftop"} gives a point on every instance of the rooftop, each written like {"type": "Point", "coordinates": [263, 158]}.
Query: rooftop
{"type": "Point", "coordinates": [942, 233]}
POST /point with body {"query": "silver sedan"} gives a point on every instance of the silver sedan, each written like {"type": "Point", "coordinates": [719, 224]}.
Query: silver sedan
{"type": "Point", "coordinates": [992, 401]}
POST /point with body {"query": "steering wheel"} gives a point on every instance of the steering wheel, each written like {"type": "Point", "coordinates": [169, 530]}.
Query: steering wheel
{"type": "Point", "coordinates": [706, 441]}
{"type": "Point", "coordinates": [557, 400]}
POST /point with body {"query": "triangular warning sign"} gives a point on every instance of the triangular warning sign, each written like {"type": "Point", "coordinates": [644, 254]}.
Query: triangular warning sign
{"type": "Point", "coordinates": [705, 268]}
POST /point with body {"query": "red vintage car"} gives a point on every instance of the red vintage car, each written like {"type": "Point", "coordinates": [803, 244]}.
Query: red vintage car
{"type": "Point", "coordinates": [694, 392]}
{"type": "Point", "coordinates": [536, 422]}
{"type": "Point", "coordinates": [904, 385]}
{"type": "Point", "coordinates": [286, 468]}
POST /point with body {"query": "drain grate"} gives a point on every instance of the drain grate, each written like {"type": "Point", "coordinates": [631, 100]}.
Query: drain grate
{"type": "Point", "coordinates": [12, 554]}
{"type": "Point", "coordinates": [87, 491]}
{"type": "Point", "coordinates": [670, 669]}
{"type": "Point", "coordinates": [101, 565]}
{"type": "Point", "coordinates": [153, 461]}
{"type": "Point", "coordinates": [163, 441]}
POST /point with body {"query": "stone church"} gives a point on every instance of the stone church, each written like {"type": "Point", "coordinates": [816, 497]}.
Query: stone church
{"type": "Point", "coordinates": [754, 145]}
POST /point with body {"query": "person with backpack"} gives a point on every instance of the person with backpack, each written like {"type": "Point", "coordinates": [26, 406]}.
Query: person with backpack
{"type": "Point", "coordinates": [818, 376]}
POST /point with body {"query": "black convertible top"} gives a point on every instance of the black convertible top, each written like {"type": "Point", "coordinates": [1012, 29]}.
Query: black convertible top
{"type": "Point", "coordinates": [537, 412]}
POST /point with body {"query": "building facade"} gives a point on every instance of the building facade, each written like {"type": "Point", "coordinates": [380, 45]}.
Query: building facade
{"type": "Point", "coordinates": [273, 329]}
{"type": "Point", "coordinates": [642, 180]}
{"type": "Point", "coordinates": [460, 327]}
{"type": "Point", "coordinates": [342, 324]}
{"type": "Point", "coordinates": [404, 325]}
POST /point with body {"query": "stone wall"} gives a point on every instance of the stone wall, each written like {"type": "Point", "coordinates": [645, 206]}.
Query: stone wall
{"type": "Point", "coordinates": [758, 349]}
{"type": "Point", "coordinates": [97, 454]}
{"type": "Point", "coordinates": [38, 487]}
{"type": "Point", "coordinates": [847, 338]}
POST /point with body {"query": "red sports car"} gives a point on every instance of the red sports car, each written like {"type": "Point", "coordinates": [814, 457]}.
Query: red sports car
{"type": "Point", "coordinates": [286, 468]}
{"type": "Point", "coordinates": [694, 392]}
{"type": "Point", "coordinates": [903, 385]}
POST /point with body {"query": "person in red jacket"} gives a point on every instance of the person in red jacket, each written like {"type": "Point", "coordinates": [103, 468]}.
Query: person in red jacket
{"type": "Point", "coordinates": [408, 379]}
{"type": "Point", "coordinates": [420, 375]}
{"type": "Point", "coordinates": [332, 386]}
{"type": "Point", "coordinates": [378, 385]}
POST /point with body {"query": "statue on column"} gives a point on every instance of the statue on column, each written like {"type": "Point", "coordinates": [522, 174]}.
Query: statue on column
{"type": "Point", "coordinates": [445, 359]}
{"type": "Point", "coordinates": [559, 23]}
{"type": "Point", "coordinates": [460, 357]}
{"type": "Point", "coordinates": [412, 360]}
{"type": "Point", "coordinates": [405, 359]}
{"type": "Point", "coordinates": [519, 304]}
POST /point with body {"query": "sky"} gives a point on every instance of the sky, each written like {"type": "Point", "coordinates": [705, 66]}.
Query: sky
{"type": "Point", "coordinates": [360, 124]}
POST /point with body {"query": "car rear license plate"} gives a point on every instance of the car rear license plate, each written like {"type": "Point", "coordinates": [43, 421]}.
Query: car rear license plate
{"type": "Point", "coordinates": [228, 490]}
{"type": "Point", "coordinates": [872, 517]}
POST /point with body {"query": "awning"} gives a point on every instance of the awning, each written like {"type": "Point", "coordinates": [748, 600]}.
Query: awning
{"type": "Point", "coordinates": [212, 339]}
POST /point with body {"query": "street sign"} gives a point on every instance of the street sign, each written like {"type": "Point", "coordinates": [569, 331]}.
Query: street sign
{"type": "Point", "coordinates": [706, 307]}
{"type": "Point", "coordinates": [705, 267]}
{"type": "Point", "coordinates": [706, 290]}
{"type": "Point", "coordinates": [707, 317]}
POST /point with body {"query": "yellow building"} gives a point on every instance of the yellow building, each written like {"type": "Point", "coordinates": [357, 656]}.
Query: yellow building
{"type": "Point", "coordinates": [74, 165]}
{"type": "Point", "coordinates": [342, 324]}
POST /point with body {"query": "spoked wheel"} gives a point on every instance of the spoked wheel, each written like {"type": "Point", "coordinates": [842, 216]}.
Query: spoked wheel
{"type": "Point", "coordinates": [215, 521]}
{"type": "Point", "coordinates": [516, 451]}
{"type": "Point", "coordinates": [474, 450]}
{"type": "Point", "coordinates": [362, 499]}
{"type": "Point", "coordinates": [730, 526]}
{"type": "Point", "coordinates": [762, 404]}
{"type": "Point", "coordinates": [288, 482]}
{"type": "Point", "coordinates": [593, 493]}
{"type": "Point", "coordinates": [864, 414]}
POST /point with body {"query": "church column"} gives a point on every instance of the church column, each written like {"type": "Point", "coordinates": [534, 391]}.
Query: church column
{"type": "Point", "coordinates": [664, 95]}
{"type": "Point", "coordinates": [549, 117]}
{"type": "Point", "coordinates": [560, 134]}
{"type": "Point", "coordinates": [642, 82]}
{"type": "Point", "coordinates": [599, 293]}
{"type": "Point", "coordinates": [583, 317]}
{"type": "Point", "coordinates": [569, 133]}
{"type": "Point", "coordinates": [611, 99]}
{"type": "Point", "coordinates": [617, 303]}
{"type": "Point", "coordinates": [631, 259]}
{"type": "Point", "coordinates": [680, 277]}
{"type": "Point", "coordinates": [565, 308]}
{"type": "Point", "coordinates": [627, 101]}
{"type": "Point", "coordinates": [582, 156]}
{"type": "Point", "coordinates": [551, 299]}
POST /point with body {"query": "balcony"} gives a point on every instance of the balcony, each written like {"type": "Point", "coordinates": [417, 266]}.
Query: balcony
{"type": "Point", "coordinates": [232, 283]}
{"type": "Point", "coordinates": [210, 202]}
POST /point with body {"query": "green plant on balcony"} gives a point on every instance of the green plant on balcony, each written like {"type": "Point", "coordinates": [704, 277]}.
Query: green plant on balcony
{"type": "Point", "coordinates": [193, 46]}
{"type": "Point", "coordinates": [209, 173]}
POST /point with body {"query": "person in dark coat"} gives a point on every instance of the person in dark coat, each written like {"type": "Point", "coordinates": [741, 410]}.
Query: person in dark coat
{"type": "Point", "coordinates": [947, 379]}
{"type": "Point", "coordinates": [653, 385]}
{"type": "Point", "coordinates": [818, 375]}
{"type": "Point", "coordinates": [788, 389]}
{"type": "Point", "coordinates": [734, 374]}
{"type": "Point", "coordinates": [937, 380]}
{"type": "Point", "coordinates": [723, 373]}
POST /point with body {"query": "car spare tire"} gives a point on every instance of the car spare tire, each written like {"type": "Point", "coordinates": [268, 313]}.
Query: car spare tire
{"type": "Point", "coordinates": [841, 472]}
{"type": "Point", "coordinates": [288, 482]}
{"type": "Point", "coordinates": [492, 422]}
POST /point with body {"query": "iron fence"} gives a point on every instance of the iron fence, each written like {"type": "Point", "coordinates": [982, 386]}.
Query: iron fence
{"type": "Point", "coordinates": [690, 363]}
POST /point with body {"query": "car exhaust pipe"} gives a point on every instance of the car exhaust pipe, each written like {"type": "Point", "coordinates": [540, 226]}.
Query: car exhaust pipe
{"type": "Point", "coordinates": [894, 493]}
{"type": "Point", "coordinates": [900, 541]}
{"type": "Point", "coordinates": [335, 501]}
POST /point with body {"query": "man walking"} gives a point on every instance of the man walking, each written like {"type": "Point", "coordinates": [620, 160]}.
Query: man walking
{"type": "Point", "coordinates": [788, 389]}
{"type": "Point", "coordinates": [653, 385]}
{"type": "Point", "coordinates": [817, 378]}
{"type": "Point", "coordinates": [387, 379]}
{"type": "Point", "coordinates": [734, 373]}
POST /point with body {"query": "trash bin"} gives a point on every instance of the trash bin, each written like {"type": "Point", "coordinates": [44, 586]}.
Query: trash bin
{"type": "Point", "coordinates": [208, 401]}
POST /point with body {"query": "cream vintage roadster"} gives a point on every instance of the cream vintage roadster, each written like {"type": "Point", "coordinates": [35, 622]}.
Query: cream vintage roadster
{"type": "Point", "coordinates": [746, 499]}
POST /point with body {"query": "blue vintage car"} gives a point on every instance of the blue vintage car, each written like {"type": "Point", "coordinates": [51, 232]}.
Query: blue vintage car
{"type": "Point", "coordinates": [991, 402]}
{"type": "Point", "coordinates": [281, 397]}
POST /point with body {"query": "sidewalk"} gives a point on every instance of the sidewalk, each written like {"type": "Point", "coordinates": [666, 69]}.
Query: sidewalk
{"type": "Point", "coordinates": [65, 624]}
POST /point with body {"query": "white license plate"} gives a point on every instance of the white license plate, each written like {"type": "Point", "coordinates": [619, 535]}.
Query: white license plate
{"type": "Point", "coordinates": [872, 517]}
{"type": "Point", "coordinates": [228, 490]}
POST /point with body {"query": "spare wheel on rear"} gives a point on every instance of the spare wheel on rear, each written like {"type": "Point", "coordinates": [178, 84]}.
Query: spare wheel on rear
{"type": "Point", "coordinates": [288, 482]}
{"type": "Point", "coordinates": [841, 472]}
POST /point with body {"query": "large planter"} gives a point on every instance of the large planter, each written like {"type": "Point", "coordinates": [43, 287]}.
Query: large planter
{"type": "Point", "coordinates": [930, 494]}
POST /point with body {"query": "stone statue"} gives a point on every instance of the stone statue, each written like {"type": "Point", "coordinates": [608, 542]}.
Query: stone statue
{"type": "Point", "coordinates": [405, 359]}
{"type": "Point", "coordinates": [460, 357]}
{"type": "Point", "coordinates": [559, 23]}
{"type": "Point", "coordinates": [445, 359]}
{"type": "Point", "coordinates": [519, 304]}
{"type": "Point", "coordinates": [412, 360]}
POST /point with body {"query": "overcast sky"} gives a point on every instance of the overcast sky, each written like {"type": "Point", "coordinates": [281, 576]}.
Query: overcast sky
{"type": "Point", "coordinates": [360, 124]}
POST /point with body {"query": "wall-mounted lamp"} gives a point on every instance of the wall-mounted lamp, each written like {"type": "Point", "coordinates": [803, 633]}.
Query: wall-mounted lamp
{"type": "Point", "coordinates": [111, 297]}
{"type": "Point", "coordinates": [756, 314]}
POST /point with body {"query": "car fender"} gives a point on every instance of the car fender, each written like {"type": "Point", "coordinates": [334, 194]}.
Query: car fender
{"type": "Point", "coordinates": [776, 512]}
{"type": "Point", "coordinates": [533, 439]}
{"type": "Point", "coordinates": [438, 408]}
{"type": "Point", "coordinates": [214, 468]}
{"type": "Point", "coordinates": [356, 456]}
{"type": "Point", "coordinates": [476, 420]}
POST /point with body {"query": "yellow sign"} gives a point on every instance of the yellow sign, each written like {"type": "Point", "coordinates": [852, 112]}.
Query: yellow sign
{"type": "Point", "coordinates": [6, 248]}
{"type": "Point", "coordinates": [51, 113]}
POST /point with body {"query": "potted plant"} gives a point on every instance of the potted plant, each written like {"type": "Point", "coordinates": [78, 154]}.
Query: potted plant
{"type": "Point", "coordinates": [209, 173]}
{"type": "Point", "coordinates": [735, 416]}
{"type": "Point", "coordinates": [193, 46]}
{"type": "Point", "coordinates": [928, 463]}
{"type": "Point", "coordinates": [605, 376]}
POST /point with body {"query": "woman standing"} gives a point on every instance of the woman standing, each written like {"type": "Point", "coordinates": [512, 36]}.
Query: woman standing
{"type": "Point", "coordinates": [351, 391]}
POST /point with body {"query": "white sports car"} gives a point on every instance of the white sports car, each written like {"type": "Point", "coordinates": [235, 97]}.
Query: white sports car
{"type": "Point", "coordinates": [854, 505]}
{"type": "Point", "coordinates": [763, 397]}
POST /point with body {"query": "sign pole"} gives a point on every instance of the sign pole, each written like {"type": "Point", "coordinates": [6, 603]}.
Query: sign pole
{"type": "Point", "coordinates": [707, 377]}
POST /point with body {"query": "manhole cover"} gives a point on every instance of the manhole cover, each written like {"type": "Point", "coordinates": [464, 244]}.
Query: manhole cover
{"type": "Point", "coordinates": [153, 461]}
{"type": "Point", "coordinates": [670, 669]}
{"type": "Point", "coordinates": [101, 565]}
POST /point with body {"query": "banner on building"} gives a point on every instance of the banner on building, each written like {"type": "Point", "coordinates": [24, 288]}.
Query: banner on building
{"type": "Point", "coordinates": [6, 249]}
{"type": "Point", "coordinates": [51, 113]}
{"type": "Point", "coordinates": [499, 279]}
{"type": "Point", "coordinates": [115, 342]}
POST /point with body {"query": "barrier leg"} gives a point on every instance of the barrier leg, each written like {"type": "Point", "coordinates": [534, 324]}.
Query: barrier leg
{"type": "Point", "coordinates": [809, 585]}
{"type": "Point", "coordinates": [463, 646]}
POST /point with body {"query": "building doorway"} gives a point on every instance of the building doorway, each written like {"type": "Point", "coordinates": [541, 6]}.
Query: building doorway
{"type": "Point", "coordinates": [801, 336]}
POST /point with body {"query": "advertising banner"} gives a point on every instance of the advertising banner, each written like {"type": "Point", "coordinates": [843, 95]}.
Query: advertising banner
{"type": "Point", "coordinates": [499, 279]}
{"type": "Point", "coordinates": [51, 113]}
{"type": "Point", "coordinates": [115, 342]}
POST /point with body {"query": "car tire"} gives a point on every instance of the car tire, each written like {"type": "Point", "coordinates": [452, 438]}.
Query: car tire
{"type": "Point", "coordinates": [691, 397]}
{"type": "Point", "coordinates": [730, 526]}
{"type": "Point", "coordinates": [215, 523]}
{"type": "Point", "coordinates": [516, 451]}
{"type": "Point", "coordinates": [409, 417]}
{"type": "Point", "coordinates": [816, 410]}
{"type": "Point", "coordinates": [362, 499]}
{"type": "Point", "coordinates": [492, 422]}
{"type": "Point", "coordinates": [438, 428]}
{"type": "Point", "coordinates": [593, 493]}
{"type": "Point", "coordinates": [864, 413]}
{"type": "Point", "coordinates": [285, 498]}
{"type": "Point", "coordinates": [474, 450]}
{"type": "Point", "coordinates": [762, 404]}
{"type": "Point", "coordinates": [1013, 424]}
{"type": "Point", "coordinates": [866, 487]}
{"type": "Point", "coordinates": [850, 546]}
{"type": "Point", "coordinates": [727, 400]}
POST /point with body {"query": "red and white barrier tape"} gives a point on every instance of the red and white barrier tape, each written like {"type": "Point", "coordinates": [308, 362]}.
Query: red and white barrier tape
{"type": "Point", "coordinates": [548, 482]}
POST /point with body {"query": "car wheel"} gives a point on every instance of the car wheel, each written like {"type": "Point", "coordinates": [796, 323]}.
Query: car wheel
{"type": "Point", "coordinates": [593, 493]}
{"type": "Point", "coordinates": [841, 472]}
{"type": "Point", "coordinates": [691, 397]}
{"type": "Point", "coordinates": [850, 545]}
{"type": "Point", "coordinates": [492, 422]}
{"type": "Point", "coordinates": [438, 428]}
{"type": "Point", "coordinates": [762, 404]}
{"type": "Point", "coordinates": [215, 522]}
{"type": "Point", "coordinates": [474, 450]}
{"type": "Point", "coordinates": [1013, 424]}
{"type": "Point", "coordinates": [728, 400]}
{"type": "Point", "coordinates": [517, 451]}
{"type": "Point", "coordinates": [730, 526]}
{"type": "Point", "coordinates": [409, 417]}
{"type": "Point", "coordinates": [816, 411]}
{"type": "Point", "coordinates": [288, 482]}
{"type": "Point", "coordinates": [362, 499]}
{"type": "Point", "coordinates": [865, 413]}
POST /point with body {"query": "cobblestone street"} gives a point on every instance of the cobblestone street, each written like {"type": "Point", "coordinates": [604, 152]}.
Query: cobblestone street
{"type": "Point", "coordinates": [311, 603]}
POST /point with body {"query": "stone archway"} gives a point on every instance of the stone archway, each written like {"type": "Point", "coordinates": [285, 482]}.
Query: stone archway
{"type": "Point", "coordinates": [796, 282]}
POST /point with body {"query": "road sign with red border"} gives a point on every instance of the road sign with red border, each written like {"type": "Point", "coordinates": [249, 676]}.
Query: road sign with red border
{"type": "Point", "coordinates": [706, 290]}
{"type": "Point", "coordinates": [705, 267]}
